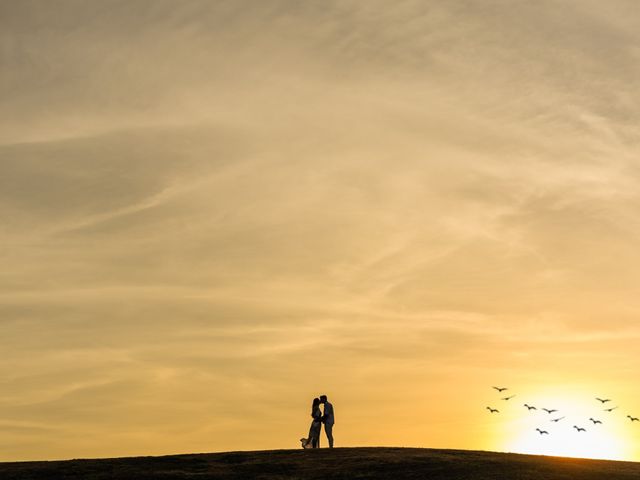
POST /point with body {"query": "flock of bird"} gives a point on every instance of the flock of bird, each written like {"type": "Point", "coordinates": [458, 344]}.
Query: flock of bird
{"type": "Point", "coordinates": [578, 429]}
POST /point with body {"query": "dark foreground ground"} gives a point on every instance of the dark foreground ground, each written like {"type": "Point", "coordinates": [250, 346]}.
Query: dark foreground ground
{"type": "Point", "coordinates": [340, 463]}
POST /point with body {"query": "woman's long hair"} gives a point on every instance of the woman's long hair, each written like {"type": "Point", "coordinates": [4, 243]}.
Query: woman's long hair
{"type": "Point", "coordinates": [315, 405]}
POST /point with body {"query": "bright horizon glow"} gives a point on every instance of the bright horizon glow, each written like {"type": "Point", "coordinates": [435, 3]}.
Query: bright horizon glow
{"type": "Point", "coordinates": [611, 440]}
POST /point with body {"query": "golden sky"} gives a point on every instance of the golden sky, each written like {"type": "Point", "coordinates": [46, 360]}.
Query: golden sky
{"type": "Point", "coordinates": [211, 212]}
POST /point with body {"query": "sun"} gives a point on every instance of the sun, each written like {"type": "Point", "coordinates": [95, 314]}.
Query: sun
{"type": "Point", "coordinates": [565, 435]}
{"type": "Point", "coordinates": [567, 442]}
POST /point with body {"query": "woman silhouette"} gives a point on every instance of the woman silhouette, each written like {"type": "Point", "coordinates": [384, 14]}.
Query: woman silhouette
{"type": "Point", "coordinates": [316, 425]}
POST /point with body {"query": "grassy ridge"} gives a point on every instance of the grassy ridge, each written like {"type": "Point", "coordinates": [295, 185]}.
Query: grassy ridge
{"type": "Point", "coordinates": [340, 463]}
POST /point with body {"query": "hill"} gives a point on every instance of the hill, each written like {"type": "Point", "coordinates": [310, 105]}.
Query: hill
{"type": "Point", "coordinates": [340, 463]}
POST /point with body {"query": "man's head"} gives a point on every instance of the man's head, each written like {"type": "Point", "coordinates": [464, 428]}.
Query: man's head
{"type": "Point", "coordinates": [323, 399]}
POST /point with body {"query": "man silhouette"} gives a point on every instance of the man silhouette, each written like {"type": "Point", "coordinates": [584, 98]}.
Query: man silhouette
{"type": "Point", "coordinates": [328, 419]}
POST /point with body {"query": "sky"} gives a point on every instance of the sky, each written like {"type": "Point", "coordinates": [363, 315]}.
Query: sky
{"type": "Point", "coordinates": [212, 212]}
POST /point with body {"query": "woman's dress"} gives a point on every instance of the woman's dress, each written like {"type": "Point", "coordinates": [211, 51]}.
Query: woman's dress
{"type": "Point", "coordinates": [316, 427]}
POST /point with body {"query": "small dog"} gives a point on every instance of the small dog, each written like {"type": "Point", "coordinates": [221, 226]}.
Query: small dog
{"type": "Point", "coordinates": [305, 443]}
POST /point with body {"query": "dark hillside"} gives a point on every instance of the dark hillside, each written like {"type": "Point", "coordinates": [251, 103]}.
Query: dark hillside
{"type": "Point", "coordinates": [340, 463]}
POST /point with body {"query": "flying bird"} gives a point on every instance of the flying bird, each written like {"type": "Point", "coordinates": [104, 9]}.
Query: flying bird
{"type": "Point", "coordinates": [603, 400]}
{"type": "Point", "coordinates": [557, 419]}
{"type": "Point", "coordinates": [579, 429]}
{"type": "Point", "coordinates": [508, 398]}
{"type": "Point", "coordinates": [500, 389]}
{"type": "Point", "coordinates": [549, 410]}
{"type": "Point", "coordinates": [633, 419]}
{"type": "Point", "coordinates": [529, 407]}
{"type": "Point", "coordinates": [609, 409]}
{"type": "Point", "coordinates": [542, 432]}
{"type": "Point", "coordinates": [493, 410]}
{"type": "Point", "coordinates": [595, 421]}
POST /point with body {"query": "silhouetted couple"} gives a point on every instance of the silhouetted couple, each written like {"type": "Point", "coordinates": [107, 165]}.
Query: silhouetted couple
{"type": "Point", "coordinates": [318, 417]}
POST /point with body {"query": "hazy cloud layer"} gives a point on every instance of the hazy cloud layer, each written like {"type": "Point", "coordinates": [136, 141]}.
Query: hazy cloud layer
{"type": "Point", "coordinates": [211, 212]}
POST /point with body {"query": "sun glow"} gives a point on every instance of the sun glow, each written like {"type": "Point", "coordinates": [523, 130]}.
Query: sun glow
{"type": "Point", "coordinates": [566, 442]}
{"type": "Point", "coordinates": [607, 440]}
